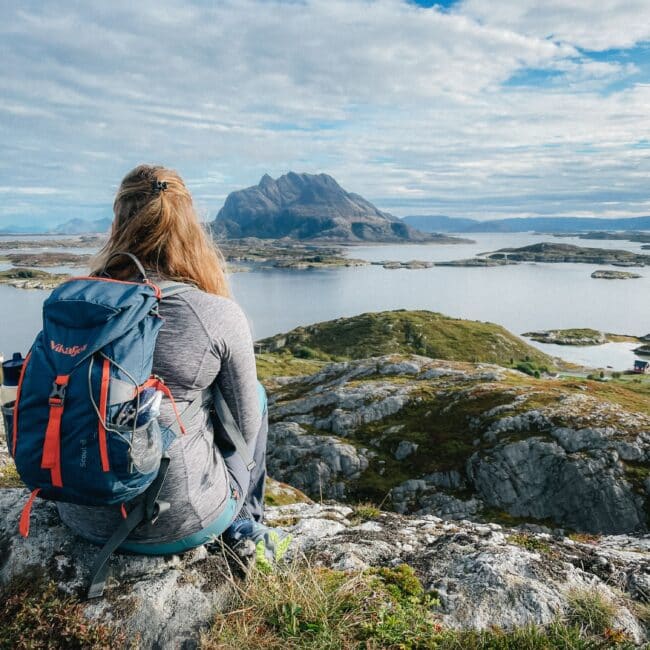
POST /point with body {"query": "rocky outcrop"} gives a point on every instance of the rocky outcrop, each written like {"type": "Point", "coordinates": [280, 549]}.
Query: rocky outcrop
{"type": "Point", "coordinates": [463, 440]}
{"type": "Point", "coordinates": [484, 576]}
{"type": "Point", "coordinates": [309, 206]}
{"type": "Point", "coordinates": [538, 478]}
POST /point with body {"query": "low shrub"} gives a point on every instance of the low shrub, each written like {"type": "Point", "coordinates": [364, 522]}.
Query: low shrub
{"type": "Point", "coordinates": [35, 614]}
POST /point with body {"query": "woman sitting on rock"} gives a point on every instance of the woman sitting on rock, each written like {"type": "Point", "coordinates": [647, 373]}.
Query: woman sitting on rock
{"type": "Point", "coordinates": [205, 340]}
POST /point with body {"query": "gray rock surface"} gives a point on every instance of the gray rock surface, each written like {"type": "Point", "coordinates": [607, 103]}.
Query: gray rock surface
{"type": "Point", "coordinates": [536, 450]}
{"type": "Point", "coordinates": [537, 478]}
{"type": "Point", "coordinates": [332, 463]}
{"type": "Point", "coordinates": [484, 575]}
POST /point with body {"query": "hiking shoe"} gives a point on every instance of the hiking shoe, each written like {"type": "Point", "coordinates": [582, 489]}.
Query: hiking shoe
{"type": "Point", "coordinates": [249, 539]}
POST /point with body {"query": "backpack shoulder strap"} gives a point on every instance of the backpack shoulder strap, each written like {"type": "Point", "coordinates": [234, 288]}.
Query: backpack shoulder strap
{"type": "Point", "coordinates": [172, 288]}
{"type": "Point", "coordinates": [213, 396]}
{"type": "Point", "coordinates": [231, 427]}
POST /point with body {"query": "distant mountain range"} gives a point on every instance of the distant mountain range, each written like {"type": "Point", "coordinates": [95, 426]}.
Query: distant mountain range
{"type": "Point", "coordinates": [308, 206]}
{"type": "Point", "coordinates": [83, 227]}
{"type": "Point", "coordinates": [440, 223]}
{"type": "Point", "coordinates": [315, 206]}
{"type": "Point", "coordinates": [71, 227]}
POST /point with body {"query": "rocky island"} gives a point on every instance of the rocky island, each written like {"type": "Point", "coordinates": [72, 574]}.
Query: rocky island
{"type": "Point", "coordinates": [567, 253]}
{"type": "Point", "coordinates": [47, 259]}
{"type": "Point", "coordinates": [84, 241]}
{"type": "Point", "coordinates": [311, 207]}
{"type": "Point", "coordinates": [255, 253]}
{"type": "Point", "coordinates": [614, 275]}
{"type": "Point", "coordinates": [579, 336]}
{"type": "Point", "coordinates": [21, 278]}
{"type": "Point", "coordinates": [477, 262]}
{"type": "Point", "coordinates": [411, 265]}
{"type": "Point", "coordinates": [639, 237]}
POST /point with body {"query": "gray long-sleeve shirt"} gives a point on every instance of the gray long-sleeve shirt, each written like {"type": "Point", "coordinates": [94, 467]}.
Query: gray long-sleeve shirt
{"type": "Point", "coordinates": [204, 338]}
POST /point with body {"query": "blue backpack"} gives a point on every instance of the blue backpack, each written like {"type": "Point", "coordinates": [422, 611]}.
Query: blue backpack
{"type": "Point", "coordinates": [85, 428]}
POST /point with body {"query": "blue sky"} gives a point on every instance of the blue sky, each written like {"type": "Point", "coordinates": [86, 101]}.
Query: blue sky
{"type": "Point", "coordinates": [470, 108]}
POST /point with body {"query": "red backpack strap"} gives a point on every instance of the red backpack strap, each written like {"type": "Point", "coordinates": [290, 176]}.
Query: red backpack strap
{"type": "Point", "coordinates": [51, 458]}
{"type": "Point", "coordinates": [159, 384]}
{"type": "Point", "coordinates": [23, 526]}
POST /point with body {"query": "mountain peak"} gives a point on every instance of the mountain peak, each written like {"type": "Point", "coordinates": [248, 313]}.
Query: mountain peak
{"type": "Point", "coordinates": [307, 206]}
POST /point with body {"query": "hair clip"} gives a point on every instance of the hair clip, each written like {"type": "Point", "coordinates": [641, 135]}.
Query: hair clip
{"type": "Point", "coordinates": [159, 186]}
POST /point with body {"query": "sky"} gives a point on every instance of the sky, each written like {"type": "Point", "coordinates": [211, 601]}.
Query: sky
{"type": "Point", "coordinates": [474, 108]}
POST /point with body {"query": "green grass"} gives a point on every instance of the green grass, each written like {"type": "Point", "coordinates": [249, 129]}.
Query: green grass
{"type": "Point", "coordinates": [308, 608]}
{"type": "Point", "coordinates": [366, 511]}
{"type": "Point", "coordinates": [409, 332]}
{"type": "Point", "coordinates": [284, 365]}
{"type": "Point", "coordinates": [590, 610]}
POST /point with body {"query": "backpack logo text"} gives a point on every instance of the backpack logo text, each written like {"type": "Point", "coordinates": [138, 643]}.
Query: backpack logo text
{"type": "Point", "coordinates": [72, 351]}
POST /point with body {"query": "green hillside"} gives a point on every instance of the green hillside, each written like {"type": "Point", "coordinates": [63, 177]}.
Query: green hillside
{"type": "Point", "coordinates": [408, 332]}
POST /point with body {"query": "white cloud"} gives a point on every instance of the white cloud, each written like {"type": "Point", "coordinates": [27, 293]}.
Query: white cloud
{"type": "Point", "coordinates": [405, 105]}
{"type": "Point", "coordinates": [582, 23]}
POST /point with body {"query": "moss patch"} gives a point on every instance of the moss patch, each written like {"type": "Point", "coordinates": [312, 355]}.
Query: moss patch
{"type": "Point", "coordinates": [9, 476]}
{"type": "Point", "coordinates": [281, 494]}
{"type": "Point", "coordinates": [531, 543]}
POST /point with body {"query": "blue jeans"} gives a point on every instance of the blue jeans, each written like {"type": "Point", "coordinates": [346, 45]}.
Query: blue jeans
{"type": "Point", "coordinates": [249, 490]}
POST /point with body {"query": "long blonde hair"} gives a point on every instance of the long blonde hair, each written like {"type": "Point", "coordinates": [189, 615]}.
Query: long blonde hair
{"type": "Point", "coordinates": [155, 220]}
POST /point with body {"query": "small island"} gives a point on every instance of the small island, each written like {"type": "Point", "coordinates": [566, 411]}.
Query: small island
{"type": "Point", "coordinates": [47, 259]}
{"type": "Point", "coordinates": [579, 337]}
{"type": "Point", "coordinates": [81, 241]}
{"type": "Point", "coordinates": [477, 262]}
{"type": "Point", "coordinates": [631, 235]}
{"type": "Point", "coordinates": [254, 253]}
{"type": "Point", "coordinates": [411, 265]}
{"type": "Point", "coordinates": [569, 254]}
{"type": "Point", "coordinates": [20, 278]}
{"type": "Point", "coordinates": [585, 336]}
{"type": "Point", "coordinates": [605, 274]}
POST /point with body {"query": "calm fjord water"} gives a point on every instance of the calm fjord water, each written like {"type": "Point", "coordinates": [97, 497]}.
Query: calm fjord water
{"type": "Point", "coordinates": [522, 298]}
